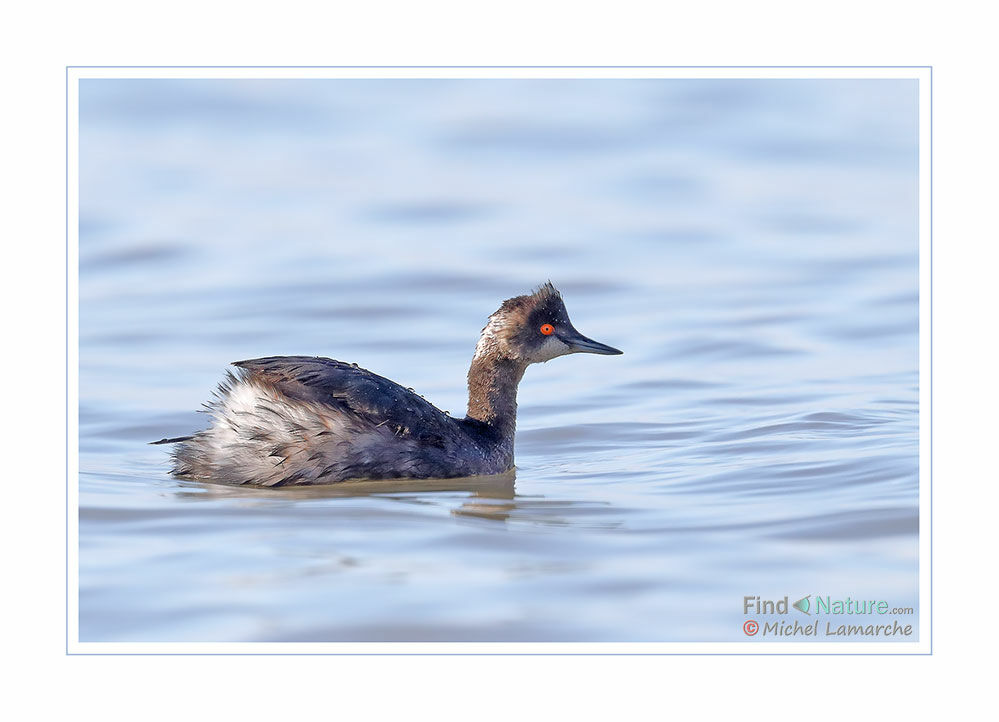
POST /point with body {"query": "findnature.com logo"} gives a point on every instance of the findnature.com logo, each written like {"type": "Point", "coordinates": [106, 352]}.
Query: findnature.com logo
{"type": "Point", "coordinates": [818, 606]}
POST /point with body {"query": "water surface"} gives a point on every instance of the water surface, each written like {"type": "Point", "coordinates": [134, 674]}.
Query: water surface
{"type": "Point", "coordinates": [751, 245]}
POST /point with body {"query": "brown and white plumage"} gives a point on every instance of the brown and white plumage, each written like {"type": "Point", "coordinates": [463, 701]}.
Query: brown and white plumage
{"type": "Point", "coordinates": [298, 420]}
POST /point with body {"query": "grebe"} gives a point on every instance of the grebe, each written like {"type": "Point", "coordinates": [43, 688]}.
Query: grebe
{"type": "Point", "coordinates": [299, 420]}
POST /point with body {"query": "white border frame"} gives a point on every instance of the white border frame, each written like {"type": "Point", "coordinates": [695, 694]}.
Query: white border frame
{"type": "Point", "coordinates": [922, 74]}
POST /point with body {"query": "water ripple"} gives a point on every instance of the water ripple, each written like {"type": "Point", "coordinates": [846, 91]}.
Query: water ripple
{"type": "Point", "coordinates": [749, 250]}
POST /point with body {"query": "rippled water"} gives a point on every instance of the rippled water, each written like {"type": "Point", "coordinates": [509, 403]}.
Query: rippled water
{"type": "Point", "coordinates": [750, 245]}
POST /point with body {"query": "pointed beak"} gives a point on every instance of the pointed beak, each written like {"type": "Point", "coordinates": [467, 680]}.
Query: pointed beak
{"type": "Point", "coordinates": [581, 344]}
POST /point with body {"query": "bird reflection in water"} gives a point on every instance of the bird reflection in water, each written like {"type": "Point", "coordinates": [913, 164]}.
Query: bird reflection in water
{"type": "Point", "coordinates": [491, 497]}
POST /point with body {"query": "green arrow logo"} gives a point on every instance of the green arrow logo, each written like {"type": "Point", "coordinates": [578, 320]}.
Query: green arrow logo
{"type": "Point", "coordinates": [802, 605]}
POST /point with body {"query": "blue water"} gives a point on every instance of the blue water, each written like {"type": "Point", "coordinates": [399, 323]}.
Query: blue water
{"type": "Point", "coordinates": [751, 245]}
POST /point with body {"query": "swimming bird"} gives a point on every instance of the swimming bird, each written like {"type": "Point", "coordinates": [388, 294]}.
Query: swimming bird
{"type": "Point", "coordinates": [301, 420]}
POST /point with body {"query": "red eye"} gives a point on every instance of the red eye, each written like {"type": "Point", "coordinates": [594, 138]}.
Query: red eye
{"type": "Point", "coordinates": [547, 329]}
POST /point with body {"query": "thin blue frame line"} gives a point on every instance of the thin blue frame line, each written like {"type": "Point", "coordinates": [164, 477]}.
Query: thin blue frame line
{"type": "Point", "coordinates": [66, 626]}
{"type": "Point", "coordinates": [504, 654]}
{"type": "Point", "coordinates": [931, 358]}
{"type": "Point", "coordinates": [503, 67]}
{"type": "Point", "coordinates": [496, 654]}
